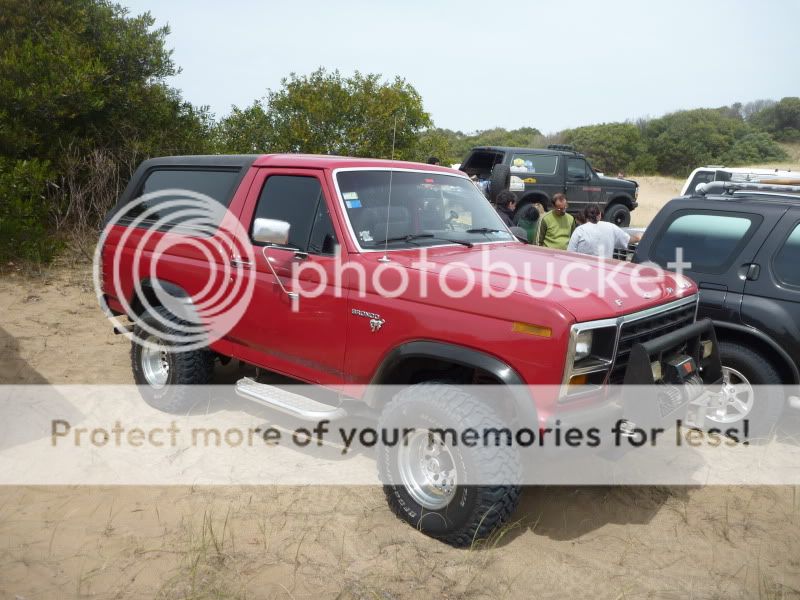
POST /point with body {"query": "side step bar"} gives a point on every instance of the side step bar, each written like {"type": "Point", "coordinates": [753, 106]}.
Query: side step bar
{"type": "Point", "coordinates": [302, 407]}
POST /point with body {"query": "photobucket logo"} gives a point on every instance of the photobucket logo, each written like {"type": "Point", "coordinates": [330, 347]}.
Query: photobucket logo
{"type": "Point", "coordinates": [174, 235]}
{"type": "Point", "coordinates": [540, 276]}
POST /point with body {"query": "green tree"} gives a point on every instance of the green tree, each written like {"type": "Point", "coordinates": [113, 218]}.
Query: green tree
{"type": "Point", "coordinates": [611, 147]}
{"type": "Point", "coordinates": [781, 120]}
{"type": "Point", "coordinates": [684, 140]}
{"type": "Point", "coordinates": [327, 113]}
{"type": "Point", "coordinates": [84, 72]}
{"type": "Point", "coordinates": [78, 77]}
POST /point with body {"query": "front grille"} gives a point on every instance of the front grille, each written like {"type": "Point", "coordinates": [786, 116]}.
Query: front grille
{"type": "Point", "coordinates": [645, 329]}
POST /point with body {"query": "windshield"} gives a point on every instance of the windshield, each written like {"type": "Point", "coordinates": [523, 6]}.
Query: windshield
{"type": "Point", "coordinates": [426, 209]}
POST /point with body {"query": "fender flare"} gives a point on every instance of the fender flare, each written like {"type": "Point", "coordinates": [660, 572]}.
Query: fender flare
{"type": "Point", "coordinates": [763, 337]}
{"type": "Point", "coordinates": [524, 405]}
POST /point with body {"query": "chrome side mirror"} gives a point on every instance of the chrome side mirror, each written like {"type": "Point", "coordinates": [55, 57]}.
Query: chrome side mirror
{"type": "Point", "coordinates": [271, 231]}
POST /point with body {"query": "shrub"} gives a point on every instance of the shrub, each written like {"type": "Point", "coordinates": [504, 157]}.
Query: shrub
{"type": "Point", "coordinates": [24, 211]}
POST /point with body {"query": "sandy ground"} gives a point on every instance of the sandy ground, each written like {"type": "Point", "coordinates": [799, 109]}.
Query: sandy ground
{"type": "Point", "coordinates": [323, 542]}
{"type": "Point", "coordinates": [654, 192]}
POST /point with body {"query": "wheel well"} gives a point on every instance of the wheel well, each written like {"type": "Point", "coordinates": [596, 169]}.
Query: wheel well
{"type": "Point", "coordinates": [414, 370]}
{"type": "Point", "coordinates": [137, 303]}
{"type": "Point", "coordinates": [624, 200]}
{"type": "Point", "coordinates": [763, 348]}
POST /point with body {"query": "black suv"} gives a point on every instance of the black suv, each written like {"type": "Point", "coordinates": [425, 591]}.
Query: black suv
{"type": "Point", "coordinates": [534, 175]}
{"type": "Point", "coordinates": [744, 249]}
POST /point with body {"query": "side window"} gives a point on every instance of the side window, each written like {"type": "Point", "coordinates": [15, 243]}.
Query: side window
{"type": "Point", "coordinates": [787, 259]}
{"type": "Point", "coordinates": [294, 199]}
{"type": "Point", "coordinates": [167, 185]}
{"type": "Point", "coordinates": [538, 164]}
{"type": "Point", "coordinates": [323, 237]}
{"type": "Point", "coordinates": [699, 177]}
{"type": "Point", "coordinates": [711, 241]}
{"type": "Point", "coordinates": [576, 168]}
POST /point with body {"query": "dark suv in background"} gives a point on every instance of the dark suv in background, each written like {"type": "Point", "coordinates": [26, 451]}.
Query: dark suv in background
{"type": "Point", "coordinates": [535, 175]}
{"type": "Point", "coordinates": [744, 249]}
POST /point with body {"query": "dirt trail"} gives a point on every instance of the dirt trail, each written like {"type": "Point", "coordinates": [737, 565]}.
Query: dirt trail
{"type": "Point", "coordinates": [322, 542]}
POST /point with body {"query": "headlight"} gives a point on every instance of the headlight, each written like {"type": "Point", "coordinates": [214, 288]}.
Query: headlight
{"type": "Point", "coordinates": [583, 345]}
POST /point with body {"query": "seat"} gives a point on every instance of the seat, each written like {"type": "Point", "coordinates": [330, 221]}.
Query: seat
{"type": "Point", "coordinates": [371, 225]}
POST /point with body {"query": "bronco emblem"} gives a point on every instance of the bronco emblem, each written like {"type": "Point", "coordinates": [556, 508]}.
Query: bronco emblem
{"type": "Point", "coordinates": [375, 321]}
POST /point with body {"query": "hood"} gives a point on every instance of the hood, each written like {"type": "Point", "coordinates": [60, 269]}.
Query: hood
{"type": "Point", "coordinates": [618, 183]}
{"type": "Point", "coordinates": [586, 287]}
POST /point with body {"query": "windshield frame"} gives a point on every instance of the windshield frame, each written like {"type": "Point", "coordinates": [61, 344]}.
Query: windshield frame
{"type": "Point", "coordinates": [354, 237]}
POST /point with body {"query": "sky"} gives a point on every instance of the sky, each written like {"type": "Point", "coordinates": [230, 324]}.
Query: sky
{"type": "Point", "coordinates": [478, 65]}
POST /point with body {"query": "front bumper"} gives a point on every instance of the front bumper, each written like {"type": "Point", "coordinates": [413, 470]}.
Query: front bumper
{"type": "Point", "coordinates": [645, 401]}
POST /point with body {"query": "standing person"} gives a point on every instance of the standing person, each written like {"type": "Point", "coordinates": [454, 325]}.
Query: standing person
{"type": "Point", "coordinates": [556, 226]}
{"type": "Point", "coordinates": [597, 237]}
{"type": "Point", "coordinates": [432, 160]}
{"type": "Point", "coordinates": [528, 219]}
{"type": "Point", "coordinates": [505, 204]}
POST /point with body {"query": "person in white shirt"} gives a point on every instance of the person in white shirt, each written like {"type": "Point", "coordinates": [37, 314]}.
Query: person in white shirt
{"type": "Point", "coordinates": [597, 237]}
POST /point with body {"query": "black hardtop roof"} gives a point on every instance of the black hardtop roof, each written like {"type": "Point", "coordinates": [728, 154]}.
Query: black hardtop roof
{"type": "Point", "coordinates": [527, 150]}
{"type": "Point", "coordinates": [204, 160]}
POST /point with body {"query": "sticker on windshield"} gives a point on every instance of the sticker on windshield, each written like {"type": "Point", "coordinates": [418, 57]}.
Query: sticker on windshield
{"type": "Point", "coordinates": [350, 195]}
{"type": "Point", "coordinates": [352, 203]}
{"type": "Point", "coordinates": [365, 236]}
{"type": "Point", "coordinates": [517, 185]}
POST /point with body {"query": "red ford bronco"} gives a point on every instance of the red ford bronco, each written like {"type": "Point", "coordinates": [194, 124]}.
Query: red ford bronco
{"type": "Point", "coordinates": [350, 273]}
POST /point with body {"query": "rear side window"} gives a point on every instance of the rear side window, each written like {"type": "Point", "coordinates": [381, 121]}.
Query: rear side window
{"type": "Point", "coordinates": [296, 200]}
{"type": "Point", "coordinates": [711, 241]}
{"type": "Point", "coordinates": [539, 164]}
{"type": "Point", "coordinates": [699, 177]}
{"type": "Point", "coordinates": [787, 261]}
{"type": "Point", "coordinates": [169, 187]}
{"type": "Point", "coordinates": [482, 162]}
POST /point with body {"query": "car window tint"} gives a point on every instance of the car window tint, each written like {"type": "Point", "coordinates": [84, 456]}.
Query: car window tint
{"type": "Point", "coordinates": [482, 162]}
{"type": "Point", "coordinates": [576, 168]}
{"type": "Point", "coordinates": [710, 241]}
{"type": "Point", "coordinates": [293, 199]}
{"type": "Point", "coordinates": [323, 236]}
{"type": "Point", "coordinates": [172, 191]}
{"type": "Point", "coordinates": [699, 177]}
{"type": "Point", "coordinates": [540, 164]}
{"type": "Point", "coordinates": [787, 261]}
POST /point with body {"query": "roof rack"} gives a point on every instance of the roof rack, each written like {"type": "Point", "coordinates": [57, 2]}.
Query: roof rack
{"type": "Point", "coordinates": [562, 147]}
{"type": "Point", "coordinates": [792, 186]}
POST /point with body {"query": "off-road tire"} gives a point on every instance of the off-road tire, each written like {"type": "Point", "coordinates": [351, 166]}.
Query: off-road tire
{"type": "Point", "coordinates": [768, 402]}
{"type": "Point", "coordinates": [499, 180]}
{"type": "Point", "coordinates": [475, 511]}
{"type": "Point", "coordinates": [619, 214]}
{"type": "Point", "coordinates": [186, 368]}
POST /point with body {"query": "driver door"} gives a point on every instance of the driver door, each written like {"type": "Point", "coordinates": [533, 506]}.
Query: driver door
{"type": "Point", "coordinates": [303, 337]}
{"type": "Point", "coordinates": [578, 184]}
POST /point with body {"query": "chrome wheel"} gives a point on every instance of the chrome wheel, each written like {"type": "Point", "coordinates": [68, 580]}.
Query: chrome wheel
{"type": "Point", "coordinates": [736, 398]}
{"type": "Point", "coordinates": [155, 362]}
{"type": "Point", "coordinates": [427, 470]}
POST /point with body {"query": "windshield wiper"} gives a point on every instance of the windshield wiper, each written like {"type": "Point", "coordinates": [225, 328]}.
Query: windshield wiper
{"type": "Point", "coordinates": [484, 230]}
{"type": "Point", "coordinates": [415, 236]}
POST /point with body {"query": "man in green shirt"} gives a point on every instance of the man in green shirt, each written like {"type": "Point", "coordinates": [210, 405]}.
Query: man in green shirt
{"type": "Point", "coordinates": [556, 226]}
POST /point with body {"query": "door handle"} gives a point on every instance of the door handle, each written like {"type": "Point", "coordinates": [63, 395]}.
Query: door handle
{"type": "Point", "coordinates": [237, 261]}
{"type": "Point", "coordinates": [749, 271]}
